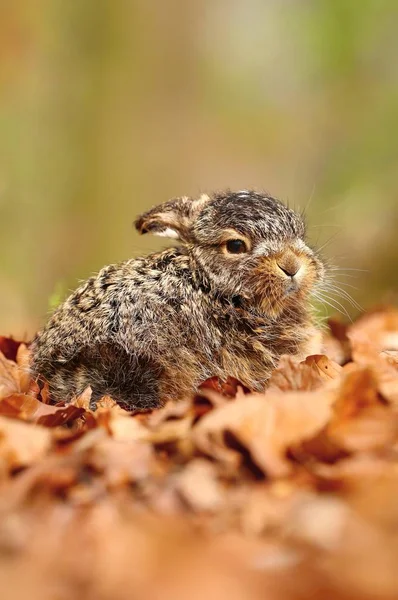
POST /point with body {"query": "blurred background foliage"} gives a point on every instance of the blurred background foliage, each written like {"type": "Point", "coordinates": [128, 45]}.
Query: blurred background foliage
{"type": "Point", "coordinates": [107, 108]}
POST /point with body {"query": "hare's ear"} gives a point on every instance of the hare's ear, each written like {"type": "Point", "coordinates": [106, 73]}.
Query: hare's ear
{"type": "Point", "coordinates": [172, 219]}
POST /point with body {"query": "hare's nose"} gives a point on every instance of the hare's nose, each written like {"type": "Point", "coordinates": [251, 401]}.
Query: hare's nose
{"type": "Point", "coordinates": [289, 265]}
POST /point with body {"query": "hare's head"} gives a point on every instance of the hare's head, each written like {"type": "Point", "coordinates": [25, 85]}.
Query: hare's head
{"type": "Point", "coordinates": [247, 243]}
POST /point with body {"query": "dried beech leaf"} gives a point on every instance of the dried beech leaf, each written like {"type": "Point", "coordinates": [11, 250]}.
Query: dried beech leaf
{"type": "Point", "coordinates": [199, 486]}
{"type": "Point", "coordinates": [358, 390]}
{"type": "Point", "coordinates": [29, 408]}
{"type": "Point", "coordinates": [205, 400]}
{"type": "Point", "coordinates": [124, 427]}
{"type": "Point", "coordinates": [171, 410]}
{"type": "Point", "coordinates": [23, 362]}
{"type": "Point", "coordinates": [45, 393]}
{"type": "Point", "coordinates": [324, 367]}
{"type": "Point", "coordinates": [383, 367]}
{"type": "Point", "coordinates": [293, 375]}
{"type": "Point", "coordinates": [24, 406]}
{"type": "Point", "coordinates": [228, 388]}
{"type": "Point", "coordinates": [338, 329]}
{"type": "Point", "coordinates": [9, 347]}
{"type": "Point", "coordinates": [170, 431]}
{"type": "Point", "coordinates": [9, 377]}
{"type": "Point", "coordinates": [22, 444]}
{"type": "Point", "coordinates": [305, 376]}
{"type": "Point", "coordinates": [391, 357]}
{"type": "Point", "coordinates": [107, 403]}
{"type": "Point", "coordinates": [360, 421]}
{"type": "Point", "coordinates": [60, 416]}
{"type": "Point", "coordinates": [374, 428]}
{"type": "Point", "coordinates": [378, 330]}
{"type": "Point", "coordinates": [335, 350]}
{"type": "Point", "coordinates": [122, 462]}
{"type": "Point", "coordinates": [83, 400]}
{"type": "Point", "coordinates": [34, 389]}
{"type": "Point", "coordinates": [266, 425]}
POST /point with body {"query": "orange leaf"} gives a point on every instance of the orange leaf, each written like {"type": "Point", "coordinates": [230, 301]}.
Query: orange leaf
{"type": "Point", "coordinates": [266, 425]}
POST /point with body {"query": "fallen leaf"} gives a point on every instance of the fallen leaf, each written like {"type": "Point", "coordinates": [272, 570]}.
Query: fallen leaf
{"type": "Point", "coordinates": [229, 388]}
{"type": "Point", "coordinates": [378, 330]}
{"type": "Point", "coordinates": [324, 367]}
{"type": "Point", "coordinates": [29, 408]}
{"type": "Point", "coordinates": [9, 347]}
{"type": "Point", "coordinates": [24, 406]}
{"type": "Point", "coordinates": [335, 342]}
{"type": "Point", "coordinates": [22, 444]}
{"type": "Point", "coordinates": [123, 462]}
{"type": "Point", "coordinates": [123, 427]}
{"type": "Point", "coordinates": [23, 372]}
{"type": "Point", "coordinates": [199, 486]}
{"type": "Point", "coordinates": [170, 411]}
{"type": "Point", "coordinates": [360, 420]}
{"type": "Point", "coordinates": [305, 376]}
{"type": "Point", "coordinates": [9, 377]}
{"type": "Point", "coordinates": [266, 425]}
{"type": "Point", "coordinates": [357, 391]}
{"type": "Point", "coordinates": [83, 400]}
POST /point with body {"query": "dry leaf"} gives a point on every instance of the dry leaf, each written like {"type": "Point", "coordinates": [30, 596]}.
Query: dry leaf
{"type": "Point", "coordinates": [122, 462]}
{"type": "Point", "coordinates": [324, 367]}
{"type": "Point", "coordinates": [29, 408]}
{"type": "Point", "coordinates": [123, 427]}
{"type": "Point", "coordinates": [22, 444]}
{"type": "Point", "coordinates": [199, 486]}
{"type": "Point", "coordinates": [285, 495]}
{"type": "Point", "coordinates": [9, 377]}
{"type": "Point", "coordinates": [265, 425]}
{"type": "Point", "coordinates": [229, 388]}
{"type": "Point", "coordinates": [360, 421]}
{"type": "Point", "coordinates": [9, 347]}
{"type": "Point", "coordinates": [378, 330]}
{"type": "Point", "coordinates": [305, 376]}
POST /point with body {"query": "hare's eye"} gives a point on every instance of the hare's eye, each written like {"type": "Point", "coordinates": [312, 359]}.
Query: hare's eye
{"type": "Point", "coordinates": [236, 246]}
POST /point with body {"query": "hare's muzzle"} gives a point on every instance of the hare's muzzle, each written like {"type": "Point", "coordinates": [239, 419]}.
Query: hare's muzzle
{"type": "Point", "coordinates": [289, 264]}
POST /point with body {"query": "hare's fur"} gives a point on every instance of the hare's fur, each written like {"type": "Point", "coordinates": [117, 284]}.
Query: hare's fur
{"type": "Point", "coordinates": [152, 329]}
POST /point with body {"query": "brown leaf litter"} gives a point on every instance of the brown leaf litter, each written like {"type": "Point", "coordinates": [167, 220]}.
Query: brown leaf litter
{"type": "Point", "coordinates": [285, 495]}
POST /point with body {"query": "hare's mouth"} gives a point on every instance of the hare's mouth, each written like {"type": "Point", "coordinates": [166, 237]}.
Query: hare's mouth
{"type": "Point", "coordinates": [292, 287]}
{"type": "Point", "coordinates": [286, 292]}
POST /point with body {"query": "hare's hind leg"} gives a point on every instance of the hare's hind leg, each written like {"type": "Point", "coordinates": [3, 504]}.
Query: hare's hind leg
{"type": "Point", "coordinates": [130, 379]}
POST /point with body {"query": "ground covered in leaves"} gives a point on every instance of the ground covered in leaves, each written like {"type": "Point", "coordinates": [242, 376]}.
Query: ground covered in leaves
{"type": "Point", "coordinates": [290, 494]}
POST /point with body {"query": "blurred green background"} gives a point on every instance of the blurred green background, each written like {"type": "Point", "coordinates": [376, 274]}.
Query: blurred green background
{"type": "Point", "coordinates": [107, 108]}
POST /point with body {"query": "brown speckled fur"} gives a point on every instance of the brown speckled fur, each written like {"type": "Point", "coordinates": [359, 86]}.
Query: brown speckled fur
{"type": "Point", "coordinates": [154, 328]}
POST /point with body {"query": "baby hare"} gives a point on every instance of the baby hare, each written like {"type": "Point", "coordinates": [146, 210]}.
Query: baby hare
{"type": "Point", "coordinates": [228, 301]}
